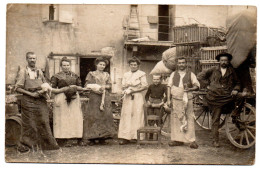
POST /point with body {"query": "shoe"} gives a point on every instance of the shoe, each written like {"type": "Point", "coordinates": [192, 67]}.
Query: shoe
{"type": "Point", "coordinates": [83, 143]}
{"type": "Point", "coordinates": [22, 148]}
{"type": "Point", "coordinates": [123, 142]}
{"type": "Point", "coordinates": [175, 143]}
{"type": "Point", "coordinates": [91, 143]}
{"type": "Point", "coordinates": [102, 142]}
{"type": "Point", "coordinates": [216, 144]}
{"type": "Point", "coordinates": [194, 145]}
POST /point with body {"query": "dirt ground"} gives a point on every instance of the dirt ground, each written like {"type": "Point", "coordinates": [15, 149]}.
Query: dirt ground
{"type": "Point", "coordinates": [147, 154]}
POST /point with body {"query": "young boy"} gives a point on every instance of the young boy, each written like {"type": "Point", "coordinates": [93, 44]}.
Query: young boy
{"type": "Point", "coordinates": [155, 97]}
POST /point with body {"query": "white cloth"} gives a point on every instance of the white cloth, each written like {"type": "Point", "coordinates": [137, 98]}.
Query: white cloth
{"type": "Point", "coordinates": [132, 114]}
{"type": "Point", "coordinates": [67, 119]}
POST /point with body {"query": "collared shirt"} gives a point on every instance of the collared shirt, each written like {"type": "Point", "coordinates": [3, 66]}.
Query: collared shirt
{"type": "Point", "coordinates": [25, 73]}
{"type": "Point", "coordinates": [156, 91]}
{"type": "Point", "coordinates": [32, 72]}
{"type": "Point", "coordinates": [223, 71]}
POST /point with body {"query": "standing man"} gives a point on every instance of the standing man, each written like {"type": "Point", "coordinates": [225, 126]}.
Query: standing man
{"type": "Point", "coordinates": [36, 131]}
{"type": "Point", "coordinates": [223, 84]}
{"type": "Point", "coordinates": [181, 83]}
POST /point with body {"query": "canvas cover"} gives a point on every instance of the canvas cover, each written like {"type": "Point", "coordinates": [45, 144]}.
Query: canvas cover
{"type": "Point", "coordinates": [241, 36]}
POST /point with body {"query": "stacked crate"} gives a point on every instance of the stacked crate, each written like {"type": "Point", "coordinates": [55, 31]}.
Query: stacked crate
{"type": "Point", "coordinates": [208, 54]}
{"type": "Point", "coordinates": [192, 33]}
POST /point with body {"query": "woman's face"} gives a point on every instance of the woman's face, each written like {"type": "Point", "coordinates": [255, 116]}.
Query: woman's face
{"type": "Point", "coordinates": [65, 66]}
{"type": "Point", "coordinates": [134, 66]}
{"type": "Point", "coordinates": [101, 66]}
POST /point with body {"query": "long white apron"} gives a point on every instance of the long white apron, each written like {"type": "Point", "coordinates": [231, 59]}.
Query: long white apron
{"type": "Point", "coordinates": [67, 118]}
{"type": "Point", "coordinates": [132, 116]}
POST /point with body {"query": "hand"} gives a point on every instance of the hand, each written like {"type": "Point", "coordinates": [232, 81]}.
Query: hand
{"type": "Point", "coordinates": [35, 94]}
{"type": "Point", "coordinates": [234, 92]}
{"type": "Point", "coordinates": [148, 103]}
{"type": "Point", "coordinates": [187, 90]}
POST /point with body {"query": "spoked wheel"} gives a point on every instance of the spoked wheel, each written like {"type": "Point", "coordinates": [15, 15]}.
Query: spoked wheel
{"type": "Point", "coordinates": [241, 130]}
{"type": "Point", "coordinates": [203, 115]}
{"type": "Point", "coordinates": [166, 123]}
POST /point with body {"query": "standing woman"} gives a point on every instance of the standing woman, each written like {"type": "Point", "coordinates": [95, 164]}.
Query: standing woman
{"type": "Point", "coordinates": [67, 114]}
{"type": "Point", "coordinates": [132, 114]}
{"type": "Point", "coordinates": [98, 123]}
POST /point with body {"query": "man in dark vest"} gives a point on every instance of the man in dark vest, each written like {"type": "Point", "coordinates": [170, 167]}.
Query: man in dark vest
{"type": "Point", "coordinates": [181, 83]}
{"type": "Point", "coordinates": [36, 131]}
{"type": "Point", "coordinates": [223, 85]}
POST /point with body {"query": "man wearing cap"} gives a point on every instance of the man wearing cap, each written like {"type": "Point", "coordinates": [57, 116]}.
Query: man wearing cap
{"type": "Point", "coordinates": [223, 85]}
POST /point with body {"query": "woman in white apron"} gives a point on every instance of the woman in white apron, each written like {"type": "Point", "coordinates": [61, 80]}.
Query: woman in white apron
{"type": "Point", "coordinates": [132, 114]}
{"type": "Point", "coordinates": [67, 114]}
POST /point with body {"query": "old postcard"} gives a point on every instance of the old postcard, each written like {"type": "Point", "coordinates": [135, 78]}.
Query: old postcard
{"type": "Point", "coordinates": [130, 83]}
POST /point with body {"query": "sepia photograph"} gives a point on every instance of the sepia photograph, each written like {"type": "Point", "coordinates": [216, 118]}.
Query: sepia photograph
{"type": "Point", "coordinates": [130, 84]}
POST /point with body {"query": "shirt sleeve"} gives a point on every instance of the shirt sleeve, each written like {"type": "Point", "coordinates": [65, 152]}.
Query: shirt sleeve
{"type": "Point", "coordinates": [170, 80]}
{"type": "Point", "coordinates": [194, 80]}
{"type": "Point", "coordinates": [20, 79]}
{"type": "Point", "coordinates": [204, 77]}
{"type": "Point", "coordinates": [42, 76]}
{"type": "Point", "coordinates": [144, 81]}
{"type": "Point", "coordinates": [78, 81]}
{"type": "Point", "coordinates": [147, 95]}
{"type": "Point", "coordinates": [88, 79]}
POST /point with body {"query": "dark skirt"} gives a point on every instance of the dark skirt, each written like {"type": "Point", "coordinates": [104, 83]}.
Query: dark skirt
{"type": "Point", "coordinates": [98, 124]}
{"type": "Point", "coordinates": [35, 124]}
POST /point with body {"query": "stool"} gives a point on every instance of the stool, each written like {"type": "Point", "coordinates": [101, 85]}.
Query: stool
{"type": "Point", "coordinates": [147, 130]}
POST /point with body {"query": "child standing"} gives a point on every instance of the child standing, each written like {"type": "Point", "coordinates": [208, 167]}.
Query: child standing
{"type": "Point", "coordinates": [155, 97]}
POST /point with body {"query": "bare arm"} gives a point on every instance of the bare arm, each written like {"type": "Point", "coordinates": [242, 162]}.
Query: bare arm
{"type": "Point", "coordinates": [168, 96]}
{"type": "Point", "coordinates": [34, 94]}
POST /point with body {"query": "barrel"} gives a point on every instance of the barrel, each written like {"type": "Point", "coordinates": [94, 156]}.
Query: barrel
{"type": "Point", "coordinates": [13, 128]}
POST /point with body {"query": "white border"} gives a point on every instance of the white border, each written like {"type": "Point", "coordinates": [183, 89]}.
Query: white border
{"type": "Point", "coordinates": [88, 166]}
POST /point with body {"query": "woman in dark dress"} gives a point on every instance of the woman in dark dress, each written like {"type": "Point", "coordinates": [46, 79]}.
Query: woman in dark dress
{"type": "Point", "coordinates": [98, 123]}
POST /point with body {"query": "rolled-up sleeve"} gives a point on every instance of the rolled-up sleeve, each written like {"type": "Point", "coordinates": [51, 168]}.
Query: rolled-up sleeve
{"type": "Point", "coordinates": [194, 80]}
{"type": "Point", "coordinates": [20, 79]}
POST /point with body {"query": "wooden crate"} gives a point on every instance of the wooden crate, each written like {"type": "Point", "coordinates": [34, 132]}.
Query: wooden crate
{"type": "Point", "coordinates": [208, 64]}
{"type": "Point", "coordinates": [209, 53]}
{"type": "Point", "coordinates": [192, 33]}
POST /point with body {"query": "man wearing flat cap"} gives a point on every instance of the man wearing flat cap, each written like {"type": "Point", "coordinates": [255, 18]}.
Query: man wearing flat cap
{"type": "Point", "coordinates": [223, 85]}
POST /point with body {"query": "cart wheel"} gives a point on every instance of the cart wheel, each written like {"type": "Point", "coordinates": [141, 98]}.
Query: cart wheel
{"type": "Point", "coordinates": [241, 131]}
{"type": "Point", "coordinates": [166, 123]}
{"type": "Point", "coordinates": [203, 117]}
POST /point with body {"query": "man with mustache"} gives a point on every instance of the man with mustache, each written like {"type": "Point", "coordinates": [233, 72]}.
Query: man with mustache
{"type": "Point", "coordinates": [223, 86]}
{"type": "Point", "coordinates": [36, 131]}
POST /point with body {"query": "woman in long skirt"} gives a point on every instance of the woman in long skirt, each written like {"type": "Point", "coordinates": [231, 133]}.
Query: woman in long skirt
{"type": "Point", "coordinates": [132, 114]}
{"type": "Point", "coordinates": [67, 114]}
{"type": "Point", "coordinates": [98, 120]}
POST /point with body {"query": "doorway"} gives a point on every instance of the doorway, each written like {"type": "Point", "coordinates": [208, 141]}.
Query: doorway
{"type": "Point", "coordinates": [163, 30]}
{"type": "Point", "coordinates": [87, 65]}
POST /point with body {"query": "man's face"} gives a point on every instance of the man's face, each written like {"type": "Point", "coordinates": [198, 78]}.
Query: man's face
{"type": "Point", "coordinates": [133, 66]}
{"type": "Point", "coordinates": [31, 59]}
{"type": "Point", "coordinates": [182, 64]}
{"type": "Point", "coordinates": [223, 61]}
{"type": "Point", "coordinates": [65, 66]}
{"type": "Point", "coordinates": [156, 80]}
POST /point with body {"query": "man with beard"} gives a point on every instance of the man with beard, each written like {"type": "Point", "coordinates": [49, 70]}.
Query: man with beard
{"type": "Point", "coordinates": [181, 84]}
{"type": "Point", "coordinates": [36, 131]}
{"type": "Point", "coordinates": [223, 86]}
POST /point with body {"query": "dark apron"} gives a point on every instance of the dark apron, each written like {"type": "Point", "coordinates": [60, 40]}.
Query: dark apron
{"type": "Point", "coordinates": [35, 119]}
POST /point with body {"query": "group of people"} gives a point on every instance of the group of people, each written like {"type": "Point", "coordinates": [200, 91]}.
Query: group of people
{"type": "Point", "coordinates": [92, 123]}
